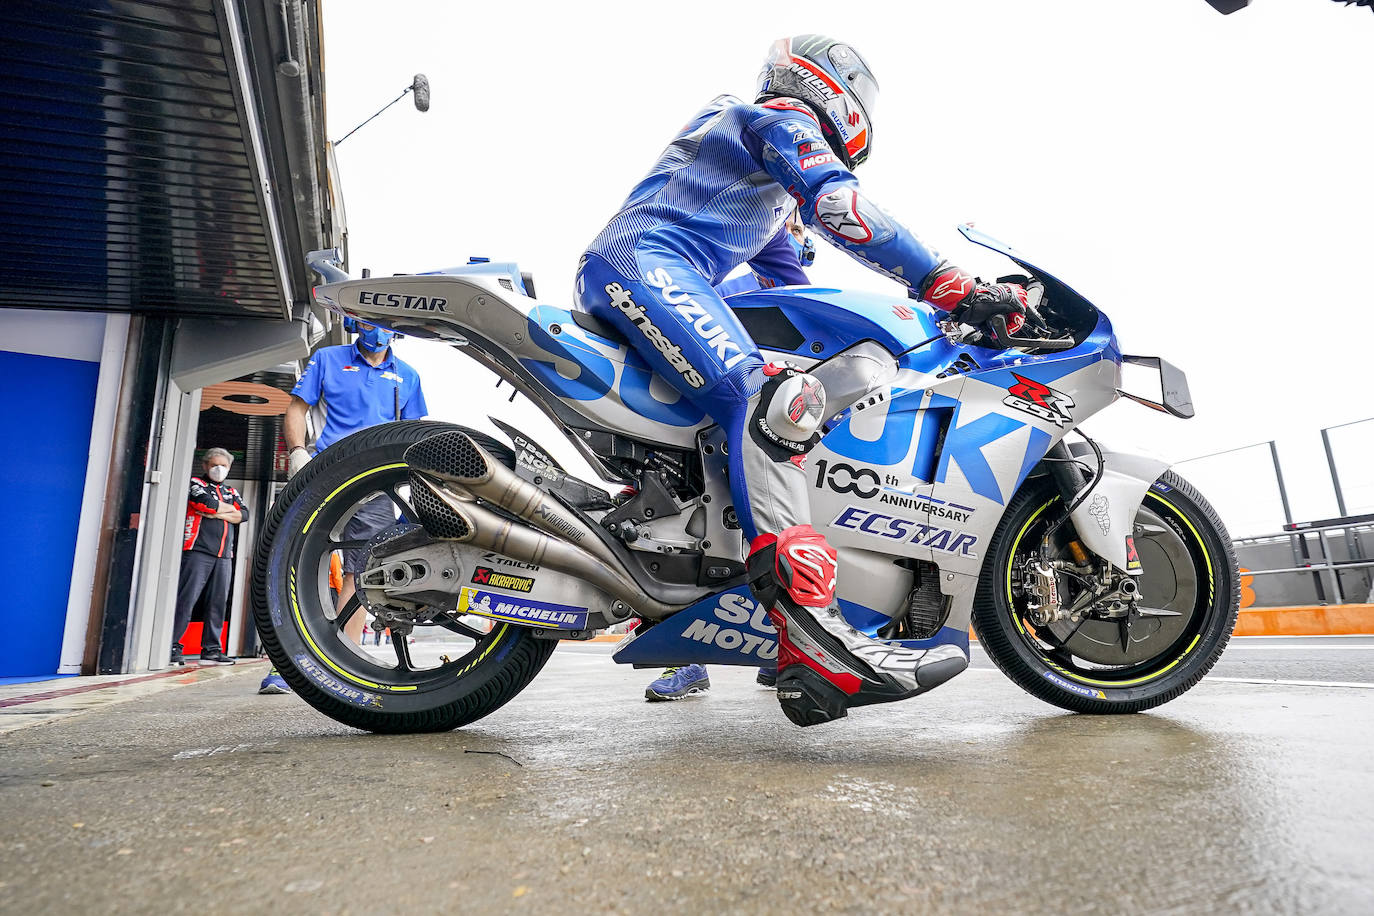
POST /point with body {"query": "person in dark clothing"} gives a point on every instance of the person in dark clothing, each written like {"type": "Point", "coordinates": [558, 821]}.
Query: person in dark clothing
{"type": "Point", "coordinates": [207, 556]}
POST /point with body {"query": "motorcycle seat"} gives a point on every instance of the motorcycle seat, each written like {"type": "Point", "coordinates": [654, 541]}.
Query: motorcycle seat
{"type": "Point", "coordinates": [598, 326]}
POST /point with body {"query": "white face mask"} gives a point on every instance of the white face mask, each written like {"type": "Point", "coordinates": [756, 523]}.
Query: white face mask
{"type": "Point", "coordinates": [218, 472]}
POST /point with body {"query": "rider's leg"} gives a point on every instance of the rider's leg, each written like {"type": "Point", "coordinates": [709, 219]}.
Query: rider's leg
{"type": "Point", "coordinates": [771, 416]}
{"type": "Point", "coordinates": [825, 665]}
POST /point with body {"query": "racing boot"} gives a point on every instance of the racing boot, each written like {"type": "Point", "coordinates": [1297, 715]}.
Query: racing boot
{"type": "Point", "coordinates": [825, 666]}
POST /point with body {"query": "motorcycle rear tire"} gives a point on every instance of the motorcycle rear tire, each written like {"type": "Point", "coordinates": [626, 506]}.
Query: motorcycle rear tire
{"type": "Point", "coordinates": [289, 612]}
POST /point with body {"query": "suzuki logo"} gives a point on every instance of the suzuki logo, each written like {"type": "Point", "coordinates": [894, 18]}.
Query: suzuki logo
{"type": "Point", "coordinates": [853, 119]}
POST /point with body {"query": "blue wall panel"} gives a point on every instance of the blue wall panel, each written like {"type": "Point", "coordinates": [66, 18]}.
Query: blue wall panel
{"type": "Point", "coordinates": [48, 404]}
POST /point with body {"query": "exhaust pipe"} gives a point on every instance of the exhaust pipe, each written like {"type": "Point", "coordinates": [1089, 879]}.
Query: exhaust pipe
{"type": "Point", "coordinates": [449, 515]}
{"type": "Point", "coordinates": [455, 459]}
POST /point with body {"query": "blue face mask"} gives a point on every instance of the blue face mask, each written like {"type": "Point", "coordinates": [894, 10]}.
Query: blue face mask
{"type": "Point", "coordinates": [374, 340]}
{"type": "Point", "coordinates": [806, 251]}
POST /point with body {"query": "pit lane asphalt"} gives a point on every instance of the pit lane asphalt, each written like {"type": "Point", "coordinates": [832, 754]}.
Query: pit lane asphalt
{"type": "Point", "coordinates": [1237, 797]}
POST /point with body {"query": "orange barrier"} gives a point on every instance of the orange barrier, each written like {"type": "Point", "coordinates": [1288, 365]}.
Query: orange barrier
{"type": "Point", "coordinates": [1309, 620]}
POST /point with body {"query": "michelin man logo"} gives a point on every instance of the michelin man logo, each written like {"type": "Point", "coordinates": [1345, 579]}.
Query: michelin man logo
{"type": "Point", "coordinates": [1099, 509]}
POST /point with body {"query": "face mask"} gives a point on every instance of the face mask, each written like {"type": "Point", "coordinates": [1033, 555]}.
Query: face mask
{"type": "Point", "coordinates": [805, 251]}
{"type": "Point", "coordinates": [217, 473]}
{"type": "Point", "coordinates": [375, 340]}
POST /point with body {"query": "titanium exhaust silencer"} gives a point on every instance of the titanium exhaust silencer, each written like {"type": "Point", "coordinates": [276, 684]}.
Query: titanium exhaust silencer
{"type": "Point", "coordinates": [569, 546]}
{"type": "Point", "coordinates": [455, 459]}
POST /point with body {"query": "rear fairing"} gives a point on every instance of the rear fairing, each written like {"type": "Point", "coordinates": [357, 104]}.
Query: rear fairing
{"type": "Point", "coordinates": [583, 379]}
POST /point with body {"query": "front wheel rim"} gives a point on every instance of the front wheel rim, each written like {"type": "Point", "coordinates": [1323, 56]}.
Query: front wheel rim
{"type": "Point", "coordinates": [1051, 655]}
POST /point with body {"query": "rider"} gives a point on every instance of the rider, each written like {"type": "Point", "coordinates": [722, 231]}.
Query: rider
{"type": "Point", "coordinates": [781, 262]}
{"type": "Point", "coordinates": [717, 194]}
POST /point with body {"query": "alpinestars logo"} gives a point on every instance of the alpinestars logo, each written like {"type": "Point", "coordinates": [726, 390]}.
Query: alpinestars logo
{"type": "Point", "coordinates": [806, 404]}
{"type": "Point", "coordinates": [1049, 404]}
{"type": "Point", "coordinates": [838, 212]}
{"type": "Point", "coordinates": [620, 298]}
{"type": "Point", "coordinates": [709, 329]}
{"type": "Point", "coordinates": [950, 288]}
{"type": "Point", "coordinates": [813, 574]}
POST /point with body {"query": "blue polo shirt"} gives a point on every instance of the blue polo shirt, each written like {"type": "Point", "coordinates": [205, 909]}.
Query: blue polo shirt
{"type": "Point", "coordinates": [355, 394]}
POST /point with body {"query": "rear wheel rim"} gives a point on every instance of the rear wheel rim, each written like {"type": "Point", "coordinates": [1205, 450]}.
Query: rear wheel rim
{"type": "Point", "coordinates": [397, 667]}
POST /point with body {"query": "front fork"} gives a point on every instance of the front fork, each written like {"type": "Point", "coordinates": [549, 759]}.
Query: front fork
{"type": "Point", "coordinates": [1104, 521]}
{"type": "Point", "coordinates": [1069, 477]}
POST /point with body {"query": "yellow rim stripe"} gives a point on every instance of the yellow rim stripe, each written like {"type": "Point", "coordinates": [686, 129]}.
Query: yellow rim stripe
{"type": "Point", "coordinates": [1211, 596]}
{"type": "Point", "coordinates": [347, 483]}
{"type": "Point", "coordinates": [494, 643]}
{"type": "Point", "coordinates": [300, 622]}
{"type": "Point", "coordinates": [1206, 554]}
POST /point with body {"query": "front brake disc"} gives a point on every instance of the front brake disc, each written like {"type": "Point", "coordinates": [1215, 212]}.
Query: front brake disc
{"type": "Point", "coordinates": [1168, 583]}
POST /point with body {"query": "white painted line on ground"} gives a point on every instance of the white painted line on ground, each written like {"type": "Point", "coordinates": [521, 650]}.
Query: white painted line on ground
{"type": "Point", "coordinates": [1286, 683]}
{"type": "Point", "coordinates": [1299, 647]}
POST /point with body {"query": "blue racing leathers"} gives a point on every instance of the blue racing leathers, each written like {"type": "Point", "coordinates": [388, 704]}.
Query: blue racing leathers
{"type": "Point", "coordinates": [716, 197]}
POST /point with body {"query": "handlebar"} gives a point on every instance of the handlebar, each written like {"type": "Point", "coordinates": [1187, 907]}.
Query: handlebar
{"type": "Point", "coordinates": [1003, 336]}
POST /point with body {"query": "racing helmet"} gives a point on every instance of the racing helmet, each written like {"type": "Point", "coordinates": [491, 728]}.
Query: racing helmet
{"type": "Point", "coordinates": [833, 81]}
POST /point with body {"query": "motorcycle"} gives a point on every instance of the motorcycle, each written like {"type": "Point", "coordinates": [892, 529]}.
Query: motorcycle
{"type": "Point", "coordinates": [1098, 581]}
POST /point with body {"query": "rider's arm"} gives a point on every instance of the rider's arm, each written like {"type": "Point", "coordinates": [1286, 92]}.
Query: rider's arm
{"type": "Point", "coordinates": [795, 154]}
{"type": "Point", "coordinates": [307, 392]}
{"type": "Point", "coordinates": [293, 427]}
{"type": "Point", "coordinates": [797, 157]}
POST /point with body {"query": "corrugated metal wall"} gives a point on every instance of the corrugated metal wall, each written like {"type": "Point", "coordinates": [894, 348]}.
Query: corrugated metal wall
{"type": "Point", "coordinates": [124, 178]}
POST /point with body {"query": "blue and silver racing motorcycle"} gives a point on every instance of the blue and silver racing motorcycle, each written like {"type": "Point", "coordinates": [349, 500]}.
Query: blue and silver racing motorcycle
{"type": "Point", "coordinates": [1098, 581]}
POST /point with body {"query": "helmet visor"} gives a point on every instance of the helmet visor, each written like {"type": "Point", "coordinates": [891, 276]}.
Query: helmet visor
{"type": "Point", "coordinates": [855, 76]}
{"type": "Point", "coordinates": [864, 88]}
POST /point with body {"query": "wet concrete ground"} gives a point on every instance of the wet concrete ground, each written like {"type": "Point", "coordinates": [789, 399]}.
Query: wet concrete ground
{"type": "Point", "coordinates": [1238, 797]}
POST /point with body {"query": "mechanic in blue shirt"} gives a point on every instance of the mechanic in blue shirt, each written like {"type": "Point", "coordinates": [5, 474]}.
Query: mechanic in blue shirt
{"type": "Point", "coordinates": [716, 195]}
{"type": "Point", "coordinates": [353, 386]}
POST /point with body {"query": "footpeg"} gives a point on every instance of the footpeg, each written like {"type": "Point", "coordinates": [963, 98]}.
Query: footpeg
{"type": "Point", "coordinates": [807, 698]}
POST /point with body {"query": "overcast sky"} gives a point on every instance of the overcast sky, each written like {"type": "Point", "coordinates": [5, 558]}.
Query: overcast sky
{"type": "Point", "coordinates": [1205, 180]}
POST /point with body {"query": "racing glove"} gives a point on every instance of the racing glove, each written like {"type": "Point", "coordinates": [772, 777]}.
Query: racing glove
{"type": "Point", "coordinates": [970, 300]}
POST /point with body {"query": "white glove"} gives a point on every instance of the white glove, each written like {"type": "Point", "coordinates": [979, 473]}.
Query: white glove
{"type": "Point", "coordinates": [298, 459]}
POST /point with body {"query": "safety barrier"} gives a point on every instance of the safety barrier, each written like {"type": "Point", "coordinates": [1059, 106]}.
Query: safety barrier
{"type": "Point", "coordinates": [1326, 562]}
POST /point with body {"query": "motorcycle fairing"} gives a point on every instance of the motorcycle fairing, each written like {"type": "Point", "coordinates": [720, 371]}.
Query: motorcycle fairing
{"type": "Point", "coordinates": [921, 470]}
{"type": "Point", "coordinates": [731, 628]}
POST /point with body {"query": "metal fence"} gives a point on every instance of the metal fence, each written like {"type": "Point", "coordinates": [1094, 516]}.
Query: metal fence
{"type": "Point", "coordinates": [1348, 450]}
{"type": "Point", "coordinates": [1311, 563]}
{"type": "Point", "coordinates": [1296, 563]}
